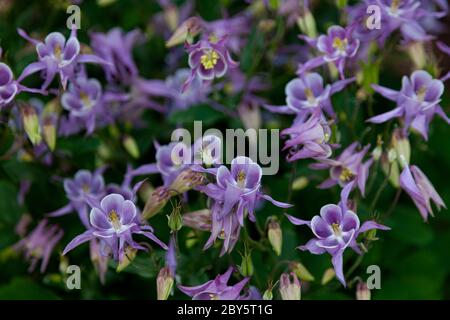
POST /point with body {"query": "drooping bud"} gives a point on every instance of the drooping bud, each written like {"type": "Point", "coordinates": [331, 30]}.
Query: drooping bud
{"type": "Point", "coordinates": [49, 131]}
{"type": "Point", "coordinates": [362, 291]}
{"type": "Point", "coordinates": [268, 295]}
{"type": "Point", "coordinates": [300, 270]}
{"type": "Point", "coordinates": [416, 52]}
{"type": "Point", "coordinates": [164, 283]}
{"type": "Point", "coordinates": [187, 180]}
{"type": "Point", "coordinates": [171, 16]}
{"type": "Point", "coordinates": [187, 30]}
{"type": "Point", "coordinates": [156, 202]}
{"type": "Point", "coordinates": [199, 220]}
{"type": "Point", "coordinates": [275, 235]}
{"type": "Point", "coordinates": [300, 183]}
{"type": "Point", "coordinates": [402, 147]}
{"type": "Point", "coordinates": [328, 275]}
{"type": "Point", "coordinates": [99, 260]}
{"type": "Point", "coordinates": [378, 151]}
{"type": "Point", "coordinates": [306, 22]}
{"type": "Point", "coordinates": [290, 290]}
{"type": "Point", "coordinates": [131, 146]}
{"type": "Point", "coordinates": [31, 125]}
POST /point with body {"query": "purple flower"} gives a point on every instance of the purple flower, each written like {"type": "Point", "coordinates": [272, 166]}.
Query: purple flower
{"type": "Point", "coordinates": [346, 168]}
{"type": "Point", "coordinates": [208, 59]}
{"type": "Point", "coordinates": [417, 102]}
{"type": "Point", "coordinates": [114, 222]}
{"type": "Point", "coordinates": [307, 93]}
{"type": "Point", "coordinates": [56, 55]}
{"type": "Point", "coordinates": [308, 139]}
{"type": "Point", "coordinates": [39, 244]}
{"type": "Point", "coordinates": [335, 229]}
{"type": "Point", "coordinates": [216, 289]}
{"type": "Point", "coordinates": [337, 46]}
{"type": "Point", "coordinates": [84, 186]}
{"type": "Point", "coordinates": [99, 260]}
{"type": "Point", "coordinates": [420, 189]}
{"type": "Point", "coordinates": [116, 48]}
{"type": "Point", "coordinates": [235, 194]}
{"type": "Point", "coordinates": [9, 87]}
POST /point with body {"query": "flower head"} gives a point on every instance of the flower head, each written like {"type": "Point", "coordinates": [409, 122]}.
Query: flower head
{"type": "Point", "coordinates": [336, 228]}
{"type": "Point", "coordinates": [417, 102]}
{"type": "Point", "coordinates": [420, 189]}
{"type": "Point", "coordinates": [216, 289]}
{"type": "Point", "coordinates": [39, 244]}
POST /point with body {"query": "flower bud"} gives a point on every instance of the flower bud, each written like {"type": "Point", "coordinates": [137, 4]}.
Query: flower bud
{"type": "Point", "coordinates": [171, 16]}
{"type": "Point", "coordinates": [300, 270]}
{"type": "Point", "coordinates": [300, 183]}
{"type": "Point", "coordinates": [175, 221]}
{"type": "Point", "coordinates": [307, 23]}
{"type": "Point", "coordinates": [188, 29]}
{"type": "Point", "coordinates": [49, 131]}
{"type": "Point", "coordinates": [164, 283]}
{"type": "Point", "coordinates": [199, 220]}
{"type": "Point", "coordinates": [130, 145]}
{"type": "Point", "coordinates": [328, 275]}
{"type": "Point", "coordinates": [31, 125]}
{"type": "Point", "coordinates": [187, 180]}
{"type": "Point", "coordinates": [156, 202]}
{"type": "Point", "coordinates": [275, 235]}
{"type": "Point", "coordinates": [268, 295]}
{"type": "Point", "coordinates": [362, 291]}
{"type": "Point", "coordinates": [416, 52]}
{"type": "Point", "coordinates": [290, 290]}
{"type": "Point", "coordinates": [246, 268]}
{"type": "Point", "coordinates": [127, 258]}
{"type": "Point", "coordinates": [402, 147]}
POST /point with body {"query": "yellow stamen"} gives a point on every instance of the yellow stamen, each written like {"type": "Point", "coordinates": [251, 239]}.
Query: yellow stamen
{"type": "Point", "coordinates": [57, 51]}
{"type": "Point", "coordinates": [310, 95]}
{"type": "Point", "coordinates": [85, 99]}
{"type": "Point", "coordinates": [346, 175]}
{"type": "Point", "coordinates": [339, 44]}
{"type": "Point", "coordinates": [241, 179]}
{"type": "Point", "coordinates": [209, 59]}
{"type": "Point", "coordinates": [394, 5]}
{"type": "Point", "coordinates": [336, 229]}
{"type": "Point", "coordinates": [113, 218]}
{"type": "Point", "coordinates": [421, 93]}
{"type": "Point", "coordinates": [86, 188]}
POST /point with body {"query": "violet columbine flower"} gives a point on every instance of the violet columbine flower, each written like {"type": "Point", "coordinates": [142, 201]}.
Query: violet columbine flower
{"type": "Point", "coordinates": [309, 138]}
{"type": "Point", "coordinates": [39, 244]}
{"type": "Point", "coordinates": [9, 87]}
{"type": "Point", "coordinates": [307, 93]}
{"type": "Point", "coordinates": [417, 102]}
{"type": "Point", "coordinates": [79, 190]}
{"type": "Point", "coordinates": [98, 259]}
{"type": "Point", "coordinates": [56, 55]}
{"type": "Point", "coordinates": [116, 47]}
{"type": "Point", "coordinates": [335, 229]}
{"type": "Point", "coordinates": [208, 59]}
{"type": "Point", "coordinates": [337, 46]}
{"type": "Point", "coordinates": [216, 289]}
{"type": "Point", "coordinates": [346, 168]}
{"type": "Point", "coordinates": [86, 102]}
{"type": "Point", "coordinates": [420, 189]}
{"type": "Point", "coordinates": [235, 194]}
{"type": "Point", "coordinates": [114, 222]}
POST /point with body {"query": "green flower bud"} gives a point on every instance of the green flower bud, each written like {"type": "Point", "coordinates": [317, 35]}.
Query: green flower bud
{"type": "Point", "coordinates": [164, 283]}
{"type": "Point", "coordinates": [128, 257]}
{"type": "Point", "coordinates": [328, 275]}
{"type": "Point", "coordinates": [246, 268]}
{"type": "Point", "coordinates": [300, 270]}
{"type": "Point", "coordinates": [362, 291]}
{"type": "Point", "coordinates": [130, 145]}
{"type": "Point", "coordinates": [275, 235]}
{"type": "Point", "coordinates": [31, 124]}
{"type": "Point", "coordinates": [187, 30]}
{"type": "Point", "coordinates": [175, 221]}
{"type": "Point", "coordinates": [156, 202]}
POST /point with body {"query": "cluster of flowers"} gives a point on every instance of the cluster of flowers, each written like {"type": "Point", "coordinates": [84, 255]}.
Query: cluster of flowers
{"type": "Point", "coordinates": [109, 212]}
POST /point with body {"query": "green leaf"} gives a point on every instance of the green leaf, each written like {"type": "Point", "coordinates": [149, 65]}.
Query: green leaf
{"type": "Point", "coordinates": [25, 288]}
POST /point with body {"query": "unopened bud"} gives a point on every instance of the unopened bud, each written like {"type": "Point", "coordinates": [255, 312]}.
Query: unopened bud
{"type": "Point", "coordinates": [268, 295]}
{"type": "Point", "coordinates": [300, 270]}
{"type": "Point", "coordinates": [171, 16]}
{"type": "Point", "coordinates": [156, 202]}
{"type": "Point", "coordinates": [300, 183]}
{"type": "Point", "coordinates": [49, 132]}
{"type": "Point", "coordinates": [362, 291]}
{"type": "Point", "coordinates": [188, 29]}
{"type": "Point", "coordinates": [290, 290]}
{"type": "Point", "coordinates": [128, 257]}
{"type": "Point", "coordinates": [199, 220]}
{"type": "Point", "coordinates": [402, 147]}
{"type": "Point", "coordinates": [275, 235]}
{"type": "Point", "coordinates": [164, 283]}
{"type": "Point", "coordinates": [175, 221]}
{"type": "Point", "coordinates": [31, 125]}
{"type": "Point", "coordinates": [131, 146]}
{"type": "Point", "coordinates": [328, 275]}
{"type": "Point", "coordinates": [392, 155]}
{"type": "Point", "coordinates": [246, 268]}
{"type": "Point", "coordinates": [187, 180]}
{"type": "Point", "coordinates": [307, 23]}
{"type": "Point", "coordinates": [416, 51]}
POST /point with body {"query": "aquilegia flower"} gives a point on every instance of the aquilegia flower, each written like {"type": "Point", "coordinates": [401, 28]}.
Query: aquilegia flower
{"type": "Point", "coordinates": [114, 222]}
{"type": "Point", "coordinates": [216, 289]}
{"type": "Point", "coordinates": [346, 168]}
{"type": "Point", "coordinates": [39, 244]}
{"type": "Point", "coordinates": [308, 139]}
{"type": "Point", "coordinates": [235, 194]}
{"type": "Point", "coordinates": [56, 55]}
{"type": "Point", "coordinates": [84, 186]}
{"type": "Point", "coordinates": [335, 229]}
{"type": "Point", "coordinates": [337, 46]}
{"type": "Point", "coordinates": [116, 47]}
{"type": "Point", "coordinates": [208, 59]}
{"type": "Point", "coordinates": [420, 189]}
{"type": "Point", "coordinates": [417, 102]}
{"type": "Point", "coordinates": [307, 93]}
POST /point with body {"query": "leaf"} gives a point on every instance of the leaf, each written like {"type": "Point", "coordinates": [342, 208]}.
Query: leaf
{"type": "Point", "coordinates": [25, 288]}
